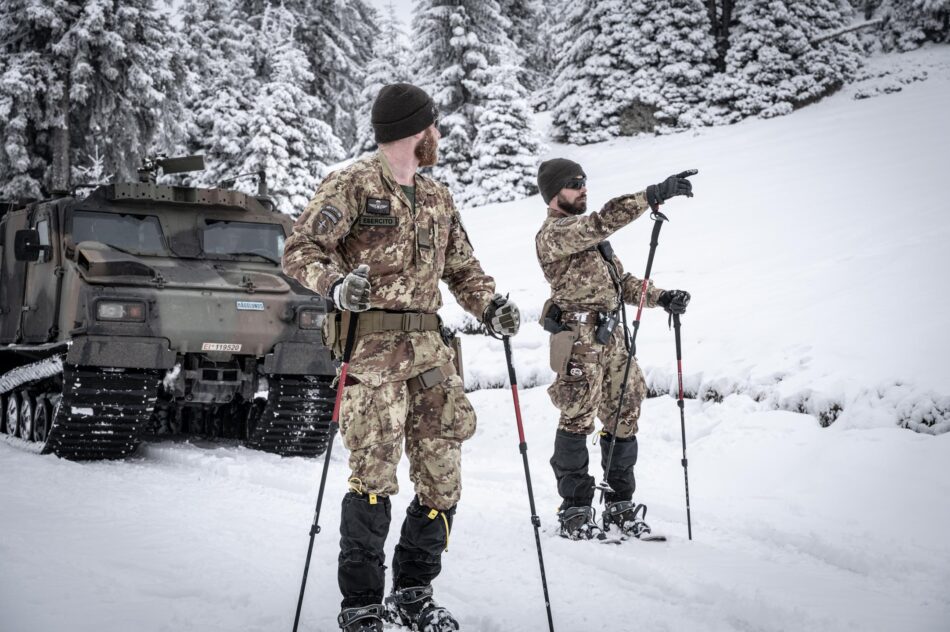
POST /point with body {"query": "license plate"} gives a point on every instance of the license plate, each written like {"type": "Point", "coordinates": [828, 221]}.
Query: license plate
{"type": "Point", "coordinates": [253, 306]}
{"type": "Point", "coordinates": [220, 346]}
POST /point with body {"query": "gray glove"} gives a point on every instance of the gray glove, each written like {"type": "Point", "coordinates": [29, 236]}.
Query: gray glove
{"type": "Point", "coordinates": [502, 316]}
{"type": "Point", "coordinates": [352, 293]}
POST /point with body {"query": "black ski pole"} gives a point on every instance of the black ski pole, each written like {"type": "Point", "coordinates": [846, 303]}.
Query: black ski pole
{"type": "Point", "coordinates": [334, 422]}
{"type": "Point", "coordinates": [523, 447]}
{"type": "Point", "coordinates": [658, 218]}
{"type": "Point", "coordinates": [679, 402]}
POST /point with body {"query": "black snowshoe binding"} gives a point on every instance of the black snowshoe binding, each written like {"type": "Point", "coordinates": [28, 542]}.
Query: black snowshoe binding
{"type": "Point", "coordinates": [630, 519]}
{"type": "Point", "coordinates": [414, 608]}
{"type": "Point", "coordinates": [577, 523]}
{"type": "Point", "coordinates": [362, 619]}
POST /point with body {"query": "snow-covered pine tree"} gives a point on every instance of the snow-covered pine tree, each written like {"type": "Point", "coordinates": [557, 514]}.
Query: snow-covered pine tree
{"type": "Point", "coordinates": [507, 146]}
{"type": "Point", "coordinates": [337, 39]}
{"type": "Point", "coordinates": [462, 45]}
{"type": "Point", "coordinates": [285, 137]}
{"type": "Point", "coordinates": [910, 23]}
{"type": "Point", "coordinates": [525, 35]}
{"type": "Point", "coordinates": [76, 75]}
{"type": "Point", "coordinates": [773, 67]}
{"type": "Point", "coordinates": [391, 64]}
{"type": "Point", "coordinates": [222, 86]}
{"type": "Point", "coordinates": [634, 66]}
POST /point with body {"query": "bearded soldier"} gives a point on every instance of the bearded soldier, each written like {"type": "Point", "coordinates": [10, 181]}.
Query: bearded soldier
{"type": "Point", "coordinates": [377, 238]}
{"type": "Point", "coordinates": [588, 353]}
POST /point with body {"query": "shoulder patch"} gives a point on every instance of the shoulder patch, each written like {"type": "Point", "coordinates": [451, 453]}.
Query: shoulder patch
{"type": "Point", "coordinates": [328, 217]}
{"type": "Point", "coordinates": [566, 221]}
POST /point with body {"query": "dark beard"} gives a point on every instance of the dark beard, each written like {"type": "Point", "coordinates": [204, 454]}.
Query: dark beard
{"type": "Point", "coordinates": [427, 150]}
{"type": "Point", "coordinates": [579, 207]}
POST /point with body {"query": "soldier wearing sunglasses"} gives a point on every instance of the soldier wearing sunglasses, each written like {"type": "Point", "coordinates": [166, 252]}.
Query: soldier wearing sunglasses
{"type": "Point", "coordinates": [588, 353]}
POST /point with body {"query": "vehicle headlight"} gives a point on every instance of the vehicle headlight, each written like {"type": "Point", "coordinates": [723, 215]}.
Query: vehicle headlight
{"type": "Point", "coordinates": [310, 319]}
{"type": "Point", "coordinates": [121, 310]}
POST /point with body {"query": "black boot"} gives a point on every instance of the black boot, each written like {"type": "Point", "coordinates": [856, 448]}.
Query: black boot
{"type": "Point", "coordinates": [570, 463]}
{"type": "Point", "coordinates": [414, 608]}
{"type": "Point", "coordinates": [363, 529]}
{"type": "Point", "coordinates": [362, 619]}
{"type": "Point", "coordinates": [417, 559]}
{"type": "Point", "coordinates": [630, 519]}
{"type": "Point", "coordinates": [577, 523]}
{"type": "Point", "coordinates": [620, 477]}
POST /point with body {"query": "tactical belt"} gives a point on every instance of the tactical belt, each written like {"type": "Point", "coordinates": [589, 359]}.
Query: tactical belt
{"type": "Point", "coordinates": [378, 320]}
{"type": "Point", "coordinates": [430, 378]}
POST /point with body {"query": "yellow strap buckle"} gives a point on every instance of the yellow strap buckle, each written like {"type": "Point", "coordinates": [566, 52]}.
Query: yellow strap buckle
{"type": "Point", "coordinates": [433, 513]}
{"type": "Point", "coordinates": [372, 499]}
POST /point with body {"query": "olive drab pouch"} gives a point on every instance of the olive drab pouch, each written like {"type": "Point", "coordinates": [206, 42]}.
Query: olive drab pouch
{"type": "Point", "coordinates": [562, 346]}
{"type": "Point", "coordinates": [331, 334]}
{"type": "Point", "coordinates": [457, 357]}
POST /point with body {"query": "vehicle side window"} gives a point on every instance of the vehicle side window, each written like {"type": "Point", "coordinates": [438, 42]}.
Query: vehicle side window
{"type": "Point", "coordinates": [42, 227]}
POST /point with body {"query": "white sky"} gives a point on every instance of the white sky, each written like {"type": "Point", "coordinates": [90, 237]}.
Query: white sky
{"type": "Point", "coordinates": [403, 10]}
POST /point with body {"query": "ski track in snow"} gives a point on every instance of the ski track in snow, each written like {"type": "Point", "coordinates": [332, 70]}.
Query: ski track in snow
{"type": "Point", "coordinates": [813, 249]}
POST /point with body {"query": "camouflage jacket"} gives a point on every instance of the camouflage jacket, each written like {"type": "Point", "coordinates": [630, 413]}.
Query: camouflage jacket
{"type": "Point", "coordinates": [360, 214]}
{"type": "Point", "coordinates": [579, 277]}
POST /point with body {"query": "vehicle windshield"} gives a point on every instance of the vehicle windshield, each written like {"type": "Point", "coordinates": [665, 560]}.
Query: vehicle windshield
{"type": "Point", "coordinates": [243, 239]}
{"type": "Point", "coordinates": [137, 234]}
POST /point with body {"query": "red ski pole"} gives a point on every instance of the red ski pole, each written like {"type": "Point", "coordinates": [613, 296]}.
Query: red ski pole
{"type": "Point", "coordinates": [523, 447]}
{"type": "Point", "coordinates": [334, 422]}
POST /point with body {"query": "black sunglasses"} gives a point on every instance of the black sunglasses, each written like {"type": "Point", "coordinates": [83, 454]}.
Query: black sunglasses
{"type": "Point", "coordinates": [578, 183]}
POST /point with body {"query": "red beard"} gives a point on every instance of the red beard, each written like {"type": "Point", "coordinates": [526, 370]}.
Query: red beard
{"type": "Point", "coordinates": [427, 149]}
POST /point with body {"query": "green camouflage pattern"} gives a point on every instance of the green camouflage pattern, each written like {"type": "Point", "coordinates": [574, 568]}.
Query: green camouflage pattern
{"type": "Point", "coordinates": [361, 215]}
{"type": "Point", "coordinates": [590, 388]}
{"type": "Point", "coordinates": [376, 419]}
{"type": "Point", "coordinates": [567, 251]}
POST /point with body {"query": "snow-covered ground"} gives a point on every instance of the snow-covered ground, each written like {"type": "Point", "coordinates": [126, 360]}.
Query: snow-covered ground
{"type": "Point", "coordinates": [815, 249]}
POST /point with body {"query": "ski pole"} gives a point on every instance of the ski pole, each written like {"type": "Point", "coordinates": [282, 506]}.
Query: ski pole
{"type": "Point", "coordinates": [658, 218]}
{"type": "Point", "coordinates": [679, 402]}
{"type": "Point", "coordinates": [523, 448]}
{"type": "Point", "coordinates": [334, 422]}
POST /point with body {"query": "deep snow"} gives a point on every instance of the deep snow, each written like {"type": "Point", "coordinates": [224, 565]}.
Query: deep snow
{"type": "Point", "coordinates": [815, 250]}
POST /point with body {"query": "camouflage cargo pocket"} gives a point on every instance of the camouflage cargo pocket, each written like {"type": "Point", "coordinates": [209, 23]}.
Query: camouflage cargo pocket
{"type": "Point", "coordinates": [458, 416]}
{"type": "Point", "coordinates": [370, 415]}
{"type": "Point", "coordinates": [570, 392]}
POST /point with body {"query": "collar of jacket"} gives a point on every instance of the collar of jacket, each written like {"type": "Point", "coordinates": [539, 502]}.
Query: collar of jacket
{"type": "Point", "coordinates": [424, 186]}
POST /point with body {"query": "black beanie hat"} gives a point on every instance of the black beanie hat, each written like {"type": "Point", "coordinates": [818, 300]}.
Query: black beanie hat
{"type": "Point", "coordinates": [401, 110]}
{"type": "Point", "coordinates": [554, 174]}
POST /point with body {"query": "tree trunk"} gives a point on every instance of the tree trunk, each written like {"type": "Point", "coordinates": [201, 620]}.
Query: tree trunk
{"type": "Point", "coordinates": [59, 175]}
{"type": "Point", "coordinates": [720, 15]}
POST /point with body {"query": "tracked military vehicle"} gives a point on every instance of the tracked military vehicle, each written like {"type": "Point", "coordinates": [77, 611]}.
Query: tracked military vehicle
{"type": "Point", "coordinates": [140, 310]}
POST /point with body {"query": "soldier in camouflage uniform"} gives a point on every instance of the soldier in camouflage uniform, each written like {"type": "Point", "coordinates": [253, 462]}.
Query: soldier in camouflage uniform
{"type": "Point", "coordinates": [377, 234]}
{"type": "Point", "coordinates": [588, 283]}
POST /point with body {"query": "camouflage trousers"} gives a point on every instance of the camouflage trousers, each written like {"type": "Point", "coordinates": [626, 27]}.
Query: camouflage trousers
{"type": "Point", "coordinates": [590, 387]}
{"type": "Point", "coordinates": [386, 409]}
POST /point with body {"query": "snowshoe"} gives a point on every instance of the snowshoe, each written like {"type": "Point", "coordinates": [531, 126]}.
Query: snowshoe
{"type": "Point", "coordinates": [577, 523]}
{"type": "Point", "coordinates": [629, 519]}
{"type": "Point", "coordinates": [414, 608]}
{"type": "Point", "coordinates": [362, 619]}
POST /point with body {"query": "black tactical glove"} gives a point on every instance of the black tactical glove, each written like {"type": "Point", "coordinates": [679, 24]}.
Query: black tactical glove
{"type": "Point", "coordinates": [671, 187]}
{"type": "Point", "coordinates": [502, 316]}
{"type": "Point", "coordinates": [352, 293]}
{"type": "Point", "coordinates": [674, 301]}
